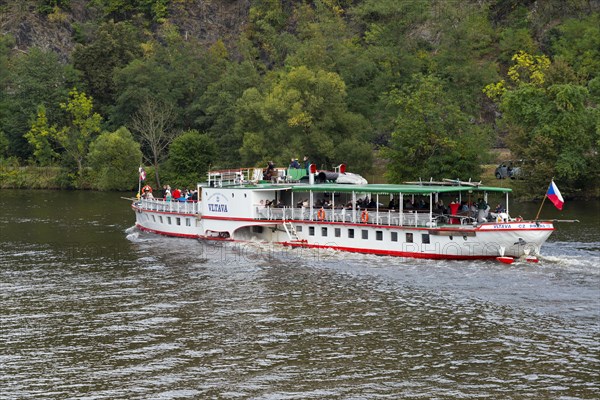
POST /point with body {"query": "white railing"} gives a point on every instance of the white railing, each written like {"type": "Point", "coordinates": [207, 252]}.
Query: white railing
{"type": "Point", "coordinates": [387, 217]}
{"type": "Point", "coordinates": [182, 207]}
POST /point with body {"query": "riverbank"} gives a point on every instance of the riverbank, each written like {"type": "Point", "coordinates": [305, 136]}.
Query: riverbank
{"type": "Point", "coordinates": [15, 176]}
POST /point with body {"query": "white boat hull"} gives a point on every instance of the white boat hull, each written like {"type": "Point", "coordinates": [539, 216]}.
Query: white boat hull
{"type": "Point", "coordinates": [487, 240]}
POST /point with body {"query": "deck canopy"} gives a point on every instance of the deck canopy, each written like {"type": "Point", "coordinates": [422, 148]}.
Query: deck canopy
{"type": "Point", "coordinates": [394, 189]}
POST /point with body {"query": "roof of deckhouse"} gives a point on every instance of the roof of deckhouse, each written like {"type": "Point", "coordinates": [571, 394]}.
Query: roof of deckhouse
{"type": "Point", "coordinates": [390, 188]}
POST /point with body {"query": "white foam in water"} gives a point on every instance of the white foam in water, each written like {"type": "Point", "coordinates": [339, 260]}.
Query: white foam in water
{"type": "Point", "coordinates": [133, 234]}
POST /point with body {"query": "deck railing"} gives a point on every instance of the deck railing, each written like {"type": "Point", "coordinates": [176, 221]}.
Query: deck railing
{"type": "Point", "coordinates": [182, 207]}
{"type": "Point", "coordinates": [382, 217]}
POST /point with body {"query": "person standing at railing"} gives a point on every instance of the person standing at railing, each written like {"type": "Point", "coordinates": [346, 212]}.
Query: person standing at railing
{"type": "Point", "coordinates": [148, 195]}
{"type": "Point", "coordinates": [306, 165]}
{"type": "Point", "coordinates": [454, 206]}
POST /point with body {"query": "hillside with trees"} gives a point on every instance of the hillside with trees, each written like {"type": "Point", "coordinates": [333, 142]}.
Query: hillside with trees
{"type": "Point", "coordinates": [92, 89]}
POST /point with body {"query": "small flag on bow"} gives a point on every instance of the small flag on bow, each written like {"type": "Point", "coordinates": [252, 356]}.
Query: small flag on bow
{"type": "Point", "coordinates": [142, 174]}
{"type": "Point", "coordinates": [555, 196]}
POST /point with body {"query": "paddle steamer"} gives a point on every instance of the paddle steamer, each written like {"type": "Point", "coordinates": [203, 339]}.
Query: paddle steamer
{"type": "Point", "coordinates": [319, 210]}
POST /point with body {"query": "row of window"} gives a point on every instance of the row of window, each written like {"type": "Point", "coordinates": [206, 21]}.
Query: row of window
{"type": "Point", "coordinates": [188, 221]}
{"type": "Point", "coordinates": [337, 232]}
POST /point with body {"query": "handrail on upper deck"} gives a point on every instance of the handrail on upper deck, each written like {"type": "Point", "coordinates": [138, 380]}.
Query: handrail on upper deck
{"type": "Point", "coordinates": [389, 217]}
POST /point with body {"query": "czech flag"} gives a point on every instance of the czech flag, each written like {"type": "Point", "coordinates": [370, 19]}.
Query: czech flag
{"type": "Point", "coordinates": [143, 175]}
{"type": "Point", "coordinates": [555, 196]}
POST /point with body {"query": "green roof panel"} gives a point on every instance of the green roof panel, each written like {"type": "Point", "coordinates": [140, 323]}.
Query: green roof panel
{"type": "Point", "coordinates": [391, 188]}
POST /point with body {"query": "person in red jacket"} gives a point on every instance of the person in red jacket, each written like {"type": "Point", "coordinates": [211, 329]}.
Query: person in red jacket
{"type": "Point", "coordinates": [454, 206]}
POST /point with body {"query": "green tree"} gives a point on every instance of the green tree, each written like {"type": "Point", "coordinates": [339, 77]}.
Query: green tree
{"type": "Point", "coordinates": [267, 37]}
{"type": "Point", "coordinates": [553, 124]}
{"type": "Point", "coordinates": [3, 145]}
{"type": "Point", "coordinates": [173, 70]}
{"type": "Point", "coordinates": [116, 44]}
{"type": "Point", "coordinates": [217, 110]}
{"type": "Point", "coordinates": [578, 44]}
{"type": "Point", "coordinates": [41, 137]}
{"type": "Point", "coordinates": [154, 10]}
{"type": "Point", "coordinates": [75, 138]}
{"type": "Point", "coordinates": [114, 158]}
{"type": "Point", "coordinates": [190, 156]}
{"type": "Point", "coordinates": [303, 112]}
{"type": "Point", "coordinates": [463, 58]}
{"type": "Point", "coordinates": [34, 78]}
{"type": "Point", "coordinates": [432, 136]}
{"type": "Point", "coordinates": [513, 40]}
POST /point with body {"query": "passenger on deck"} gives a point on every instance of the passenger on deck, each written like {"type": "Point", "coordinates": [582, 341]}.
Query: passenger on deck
{"type": "Point", "coordinates": [295, 164]}
{"type": "Point", "coordinates": [440, 209]}
{"type": "Point", "coordinates": [306, 164]}
{"type": "Point", "coordinates": [269, 172]}
{"type": "Point", "coordinates": [473, 210]}
{"type": "Point", "coordinates": [464, 207]}
{"type": "Point", "coordinates": [148, 195]}
{"type": "Point", "coordinates": [482, 210]}
{"type": "Point", "coordinates": [454, 207]}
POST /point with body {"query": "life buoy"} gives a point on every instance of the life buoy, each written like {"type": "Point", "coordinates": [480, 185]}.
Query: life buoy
{"type": "Point", "coordinates": [147, 188]}
{"type": "Point", "coordinates": [321, 214]}
{"type": "Point", "coordinates": [518, 219]}
{"type": "Point", "coordinates": [364, 216]}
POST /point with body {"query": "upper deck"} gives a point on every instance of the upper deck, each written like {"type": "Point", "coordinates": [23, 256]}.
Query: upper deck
{"type": "Point", "coordinates": [240, 195]}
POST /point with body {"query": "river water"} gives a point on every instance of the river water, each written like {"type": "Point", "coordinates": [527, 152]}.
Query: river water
{"type": "Point", "coordinates": [92, 309]}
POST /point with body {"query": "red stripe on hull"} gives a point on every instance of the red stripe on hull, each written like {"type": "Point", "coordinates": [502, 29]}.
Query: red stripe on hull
{"type": "Point", "coordinates": [391, 252]}
{"type": "Point", "coordinates": [181, 235]}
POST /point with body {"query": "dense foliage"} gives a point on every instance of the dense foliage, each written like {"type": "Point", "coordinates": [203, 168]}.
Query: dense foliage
{"type": "Point", "coordinates": [425, 88]}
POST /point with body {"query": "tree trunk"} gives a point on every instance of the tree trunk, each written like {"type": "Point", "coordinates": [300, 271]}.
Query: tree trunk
{"type": "Point", "coordinates": [156, 173]}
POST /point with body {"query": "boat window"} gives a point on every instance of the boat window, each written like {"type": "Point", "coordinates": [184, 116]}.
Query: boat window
{"type": "Point", "coordinates": [365, 234]}
{"type": "Point", "coordinates": [161, 220]}
{"type": "Point", "coordinates": [298, 228]}
{"type": "Point", "coordinates": [351, 233]}
{"type": "Point", "coordinates": [188, 222]}
{"type": "Point", "coordinates": [178, 221]}
{"type": "Point", "coordinates": [323, 231]}
{"type": "Point", "coordinates": [425, 238]}
{"type": "Point", "coordinates": [379, 235]}
{"type": "Point", "coordinates": [409, 238]}
{"type": "Point", "coordinates": [169, 220]}
{"type": "Point", "coordinates": [338, 232]}
{"type": "Point", "coordinates": [153, 218]}
{"type": "Point", "coordinates": [311, 230]}
{"type": "Point", "coordinates": [394, 236]}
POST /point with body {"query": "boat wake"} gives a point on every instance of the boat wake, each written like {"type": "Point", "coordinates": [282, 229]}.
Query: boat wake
{"type": "Point", "coordinates": [133, 234]}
